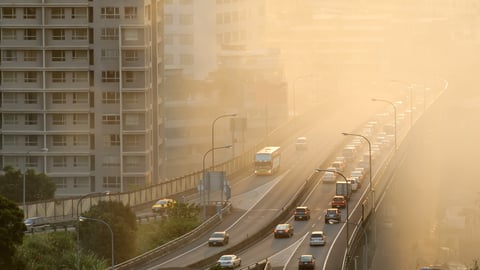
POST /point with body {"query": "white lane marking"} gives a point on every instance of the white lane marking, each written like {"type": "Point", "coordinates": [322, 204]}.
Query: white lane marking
{"type": "Point", "coordinates": [270, 186]}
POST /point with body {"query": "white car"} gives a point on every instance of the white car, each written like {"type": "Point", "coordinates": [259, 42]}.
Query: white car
{"type": "Point", "coordinates": [229, 261]}
{"type": "Point", "coordinates": [357, 174]}
{"type": "Point", "coordinates": [329, 177]}
{"type": "Point", "coordinates": [301, 143]}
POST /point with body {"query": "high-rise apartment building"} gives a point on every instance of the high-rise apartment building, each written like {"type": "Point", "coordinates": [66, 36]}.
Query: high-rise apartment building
{"type": "Point", "coordinates": [80, 91]}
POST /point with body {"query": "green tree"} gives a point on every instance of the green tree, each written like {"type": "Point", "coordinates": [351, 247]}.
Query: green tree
{"type": "Point", "coordinates": [56, 251]}
{"type": "Point", "coordinates": [96, 236]}
{"type": "Point", "coordinates": [12, 230]}
{"type": "Point", "coordinates": [37, 186]}
{"type": "Point", "coordinates": [182, 218]}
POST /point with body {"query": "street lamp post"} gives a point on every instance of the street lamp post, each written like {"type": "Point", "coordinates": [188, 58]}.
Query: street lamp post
{"type": "Point", "coordinates": [111, 234]}
{"type": "Point", "coordinates": [346, 204]}
{"type": "Point", "coordinates": [372, 190]}
{"type": "Point", "coordinates": [213, 138]}
{"type": "Point", "coordinates": [24, 181]}
{"type": "Point", "coordinates": [78, 224]}
{"type": "Point", "coordinates": [204, 178]}
{"type": "Point", "coordinates": [394, 115]}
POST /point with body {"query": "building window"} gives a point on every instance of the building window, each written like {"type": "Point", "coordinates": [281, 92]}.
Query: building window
{"type": "Point", "coordinates": [80, 161]}
{"type": "Point", "coordinates": [10, 119]}
{"type": "Point", "coordinates": [79, 13]}
{"type": "Point", "coordinates": [109, 54]}
{"type": "Point", "coordinates": [60, 182]}
{"type": "Point", "coordinates": [59, 161]}
{"type": "Point", "coordinates": [186, 19]}
{"type": "Point", "coordinates": [58, 34]}
{"type": "Point", "coordinates": [111, 119]}
{"type": "Point", "coordinates": [133, 140]}
{"type": "Point", "coordinates": [10, 140]}
{"type": "Point", "coordinates": [132, 119]}
{"type": "Point", "coordinates": [109, 34]}
{"type": "Point", "coordinates": [29, 13]}
{"type": "Point", "coordinates": [81, 182]}
{"type": "Point", "coordinates": [80, 76]}
{"type": "Point", "coordinates": [80, 140]}
{"type": "Point", "coordinates": [111, 182]}
{"type": "Point", "coordinates": [111, 161]}
{"type": "Point", "coordinates": [59, 119]}
{"type": "Point", "coordinates": [79, 34]}
{"type": "Point", "coordinates": [80, 119]}
{"type": "Point", "coordinates": [31, 140]}
{"type": "Point", "coordinates": [58, 13]}
{"type": "Point", "coordinates": [111, 97]}
{"type": "Point", "coordinates": [9, 55]}
{"type": "Point", "coordinates": [131, 55]}
{"type": "Point", "coordinates": [168, 19]}
{"type": "Point", "coordinates": [8, 77]}
{"type": "Point", "coordinates": [186, 39]}
{"type": "Point", "coordinates": [59, 98]}
{"type": "Point", "coordinates": [8, 13]}
{"type": "Point", "coordinates": [9, 34]}
{"type": "Point", "coordinates": [132, 98]}
{"type": "Point", "coordinates": [31, 119]}
{"type": "Point", "coordinates": [80, 98]}
{"type": "Point", "coordinates": [130, 12]}
{"type": "Point", "coordinates": [169, 59]}
{"type": "Point", "coordinates": [31, 98]}
{"type": "Point", "coordinates": [110, 76]}
{"type": "Point", "coordinates": [10, 98]}
{"type": "Point", "coordinates": [186, 59]}
{"type": "Point", "coordinates": [110, 13]}
{"type": "Point", "coordinates": [59, 140]}
{"type": "Point", "coordinates": [131, 34]}
{"type": "Point", "coordinates": [79, 55]}
{"type": "Point", "coordinates": [129, 76]}
{"type": "Point", "coordinates": [30, 77]}
{"type": "Point", "coordinates": [58, 77]}
{"type": "Point", "coordinates": [168, 39]}
{"type": "Point", "coordinates": [111, 140]}
{"type": "Point", "coordinates": [30, 34]}
{"type": "Point", "coordinates": [29, 56]}
{"type": "Point", "coordinates": [58, 56]}
{"type": "Point", "coordinates": [132, 162]}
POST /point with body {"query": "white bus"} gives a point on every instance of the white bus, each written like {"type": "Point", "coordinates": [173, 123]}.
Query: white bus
{"type": "Point", "coordinates": [267, 160]}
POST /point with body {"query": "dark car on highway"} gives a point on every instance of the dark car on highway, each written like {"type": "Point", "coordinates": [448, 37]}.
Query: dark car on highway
{"type": "Point", "coordinates": [306, 262]}
{"type": "Point", "coordinates": [332, 214]}
{"type": "Point", "coordinates": [283, 230]}
{"type": "Point", "coordinates": [302, 213]}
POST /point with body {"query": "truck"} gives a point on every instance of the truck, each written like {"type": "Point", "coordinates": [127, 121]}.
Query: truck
{"type": "Point", "coordinates": [343, 188]}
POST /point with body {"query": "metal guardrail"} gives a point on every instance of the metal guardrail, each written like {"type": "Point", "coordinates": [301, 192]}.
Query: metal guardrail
{"type": "Point", "coordinates": [184, 184]}
{"type": "Point", "coordinates": [178, 242]}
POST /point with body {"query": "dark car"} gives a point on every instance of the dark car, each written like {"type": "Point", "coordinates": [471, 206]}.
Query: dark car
{"type": "Point", "coordinates": [332, 214]}
{"type": "Point", "coordinates": [218, 239]}
{"type": "Point", "coordinates": [302, 213]}
{"type": "Point", "coordinates": [306, 262]}
{"type": "Point", "coordinates": [339, 201]}
{"type": "Point", "coordinates": [283, 230]}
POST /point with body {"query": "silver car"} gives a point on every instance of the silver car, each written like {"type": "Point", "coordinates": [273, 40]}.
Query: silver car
{"type": "Point", "coordinates": [317, 238]}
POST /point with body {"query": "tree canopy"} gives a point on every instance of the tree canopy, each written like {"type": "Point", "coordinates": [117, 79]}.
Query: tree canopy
{"type": "Point", "coordinates": [12, 230]}
{"type": "Point", "coordinates": [96, 236]}
{"type": "Point", "coordinates": [37, 186]}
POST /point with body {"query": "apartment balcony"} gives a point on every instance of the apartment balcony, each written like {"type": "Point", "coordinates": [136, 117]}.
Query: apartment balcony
{"type": "Point", "coordinates": [22, 123]}
{"type": "Point", "coordinates": [34, 41]}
